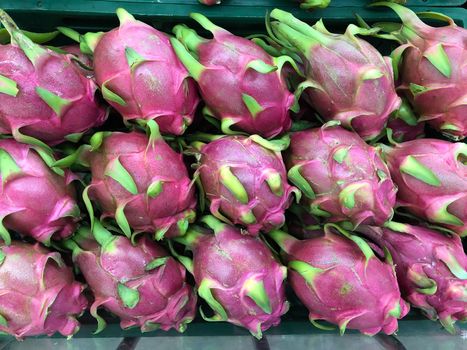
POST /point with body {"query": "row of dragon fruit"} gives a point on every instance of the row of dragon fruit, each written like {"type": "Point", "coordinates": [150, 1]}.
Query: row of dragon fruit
{"type": "Point", "coordinates": [307, 165]}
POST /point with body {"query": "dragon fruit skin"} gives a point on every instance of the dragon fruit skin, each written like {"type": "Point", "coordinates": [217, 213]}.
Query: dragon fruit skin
{"type": "Point", "coordinates": [142, 183]}
{"type": "Point", "coordinates": [347, 79]}
{"type": "Point", "coordinates": [39, 295]}
{"type": "Point", "coordinates": [237, 276]}
{"type": "Point", "coordinates": [432, 180]}
{"type": "Point", "coordinates": [431, 269]}
{"type": "Point", "coordinates": [245, 181]}
{"type": "Point", "coordinates": [342, 178]}
{"type": "Point", "coordinates": [44, 94]}
{"type": "Point", "coordinates": [341, 281]}
{"type": "Point", "coordinates": [27, 180]}
{"type": "Point", "coordinates": [141, 283]}
{"type": "Point", "coordinates": [431, 68]}
{"type": "Point", "coordinates": [210, 2]}
{"type": "Point", "coordinates": [141, 77]}
{"type": "Point", "coordinates": [241, 84]}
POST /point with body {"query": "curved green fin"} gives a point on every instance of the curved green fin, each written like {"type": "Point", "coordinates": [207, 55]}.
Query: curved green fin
{"type": "Point", "coordinates": [8, 86]}
{"type": "Point", "coordinates": [411, 166]}
{"type": "Point", "coordinates": [448, 324]}
{"type": "Point", "coordinates": [8, 166]}
{"type": "Point", "coordinates": [347, 195]}
{"type": "Point", "coordinates": [372, 74]}
{"type": "Point", "coordinates": [426, 285]}
{"type": "Point", "coordinates": [340, 155]}
{"type": "Point", "coordinates": [320, 326]}
{"type": "Point", "coordinates": [129, 296]}
{"type": "Point", "coordinates": [274, 181]}
{"type": "Point", "coordinates": [226, 123]}
{"type": "Point", "coordinates": [284, 240]}
{"type": "Point", "coordinates": [38, 38]}
{"type": "Point", "coordinates": [2, 257]}
{"type": "Point", "coordinates": [111, 96]}
{"type": "Point", "coordinates": [89, 41]}
{"type": "Point", "coordinates": [233, 184]}
{"type": "Point", "coordinates": [57, 103]}
{"type": "Point", "coordinates": [364, 247]}
{"type": "Point", "coordinates": [396, 310]}
{"type": "Point", "coordinates": [206, 23]}
{"type": "Point", "coordinates": [191, 64]}
{"type": "Point", "coordinates": [214, 224]}
{"type": "Point", "coordinates": [406, 113]}
{"type": "Point", "coordinates": [261, 67]}
{"type": "Point", "coordinates": [116, 171]}
{"type": "Point", "coordinates": [252, 105]}
{"type": "Point", "coordinates": [307, 271]}
{"type": "Point", "coordinates": [75, 137]}
{"type": "Point", "coordinates": [101, 234]}
{"type": "Point", "coordinates": [133, 58]}
{"type": "Point", "coordinates": [188, 37]}
{"type": "Point", "coordinates": [437, 16]}
{"type": "Point", "coordinates": [298, 180]}
{"type": "Point", "coordinates": [185, 261]}
{"type": "Point", "coordinates": [443, 216]}
{"type": "Point", "coordinates": [299, 91]}
{"type": "Point", "coordinates": [101, 324]}
{"type": "Point", "coordinates": [416, 89]}
{"type": "Point", "coordinates": [4, 234]}
{"type": "Point", "coordinates": [451, 262]}
{"type": "Point", "coordinates": [277, 145]}
{"type": "Point", "coordinates": [70, 33]}
{"type": "Point", "coordinates": [282, 60]}
{"type": "Point", "coordinates": [256, 291]}
{"type": "Point", "coordinates": [156, 263]}
{"type": "Point", "coordinates": [248, 218]}
{"type": "Point", "coordinates": [152, 128]}
{"type": "Point", "coordinates": [122, 221]}
{"type": "Point", "coordinates": [160, 233]}
{"type": "Point", "coordinates": [97, 139]}
{"type": "Point", "coordinates": [439, 58]}
{"type": "Point", "coordinates": [204, 291]}
{"type": "Point", "coordinates": [124, 16]}
{"type": "Point", "coordinates": [88, 204]}
{"type": "Point", "coordinates": [343, 326]}
{"type": "Point", "coordinates": [154, 189]}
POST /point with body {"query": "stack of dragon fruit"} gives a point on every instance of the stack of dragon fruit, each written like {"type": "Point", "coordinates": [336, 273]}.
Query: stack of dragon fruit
{"type": "Point", "coordinates": [137, 158]}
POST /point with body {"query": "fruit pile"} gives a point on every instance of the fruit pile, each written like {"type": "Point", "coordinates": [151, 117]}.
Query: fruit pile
{"type": "Point", "coordinates": [140, 158]}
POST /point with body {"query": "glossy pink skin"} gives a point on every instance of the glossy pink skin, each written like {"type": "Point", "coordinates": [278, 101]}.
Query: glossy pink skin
{"type": "Point", "coordinates": [423, 199]}
{"type": "Point", "coordinates": [228, 259]}
{"type": "Point", "coordinates": [38, 293]}
{"type": "Point", "coordinates": [314, 150]}
{"type": "Point", "coordinates": [402, 132]}
{"type": "Point", "coordinates": [361, 105]}
{"type": "Point", "coordinates": [445, 102]}
{"type": "Point", "coordinates": [426, 252]}
{"type": "Point", "coordinates": [37, 202]}
{"type": "Point", "coordinates": [226, 78]}
{"type": "Point", "coordinates": [145, 164]}
{"type": "Point", "coordinates": [249, 162]}
{"type": "Point", "coordinates": [29, 114]}
{"type": "Point", "coordinates": [346, 290]}
{"type": "Point", "coordinates": [164, 296]}
{"type": "Point", "coordinates": [159, 88]}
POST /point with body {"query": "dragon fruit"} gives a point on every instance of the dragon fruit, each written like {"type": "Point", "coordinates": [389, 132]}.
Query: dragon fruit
{"type": "Point", "coordinates": [342, 178]}
{"type": "Point", "coordinates": [341, 281]}
{"type": "Point", "coordinates": [140, 181]}
{"type": "Point", "coordinates": [431, 269]}
{"type": "Point", "coordinates": [348, 79]}
{"type": "Point", "coordinates": [314, 4]}
{"type": "Point", "coordinates": [241, 84]}
{"type": "Point", "coordinates": [246, 181]}
{"type": "Point", "coordinates": [39, 295]}
{"type": "Point", "coordinates": [404, 125]}
{"type": "Point", "coordinates": [430, 65]}
{"type": "Point", "coordinates": [210, 2]}
{"type": "Point", "coordinates": [237, 276]}
{"type": "Point", "coordinates": [35, 199]}
{"type": "Point", "coordinates": [141, 284]}
{"type": "Point", "coordinates": [43, 95]}
{"type": "Point", "coordinates": [431, 176]}
{"type": "Point", "coordinates": [140, 75]}
{"type": "Point", "coordinates": [301, 224]}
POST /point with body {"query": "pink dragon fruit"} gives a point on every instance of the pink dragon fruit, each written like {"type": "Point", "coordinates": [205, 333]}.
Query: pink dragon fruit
{"type": "Point", "coordinates": [431, 67]}
{"type": "Point", "coordinates": [241, 84]}
{"type": "Point", "coordinates": [43, 95]}
{"type": "Point", "coordinates": [431, 269]}
{"type": "Point", "coordinates": [39, 295]}
{"type": "Point", "coordinates": [140, 75]}
{"type": "Point", "coordinates": [35, 199]}
{"type": "Point", "coordinates": [342, 178]}
{"type": "Point", "coordinates": [301, 224]}
{"type": "Point", "coordinates": [341, 281]}
{"type": "Point", "coordinates": [431, 176]}
{"type": "Point", "coordinates": [141, 284]}
{"type": "Point", "coordinates": [245, 181]}
{"type": "Point", "coordinates": [237, 276]}
{"type": "Point", "coordinates": [210, 2]}
{"type": "Point", "coordinates": [140, 181]}
{"type": "Point", "coordinates": [348, 79]}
